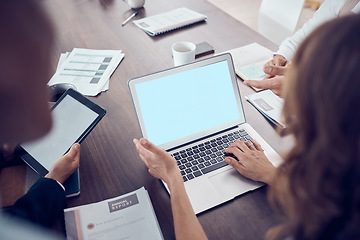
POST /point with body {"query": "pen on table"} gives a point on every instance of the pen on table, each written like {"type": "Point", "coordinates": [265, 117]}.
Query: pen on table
{"type": "Point", "coordinates": [129, 18]}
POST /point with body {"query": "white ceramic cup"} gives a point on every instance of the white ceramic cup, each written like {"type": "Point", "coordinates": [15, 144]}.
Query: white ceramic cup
{"type": "Point", "coordinates": [183, 53]}
{"type": "Point", "coordinates": [135, 3]}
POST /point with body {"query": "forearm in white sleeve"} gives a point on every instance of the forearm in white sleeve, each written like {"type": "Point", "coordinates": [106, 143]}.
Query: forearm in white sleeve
{"type": "Point", "coordinates": [328, 10]}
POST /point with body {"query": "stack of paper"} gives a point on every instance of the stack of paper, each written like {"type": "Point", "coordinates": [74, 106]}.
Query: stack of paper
{"type": "Point", "coordinates": [130, 216]}
{"type": "Point", "coordinates": [88, 70]}
{"type": "Point", "coordinates": [270, 105]}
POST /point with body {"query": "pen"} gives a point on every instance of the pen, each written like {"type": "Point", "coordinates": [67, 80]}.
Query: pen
{"type": "Point", "coordinates": [129, 18]}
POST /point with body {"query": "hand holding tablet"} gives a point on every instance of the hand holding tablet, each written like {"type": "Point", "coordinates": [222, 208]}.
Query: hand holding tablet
{"type": "Point", "coordinates": [65, 166]}
{"type": "Point", "coordinates": [74, 116]}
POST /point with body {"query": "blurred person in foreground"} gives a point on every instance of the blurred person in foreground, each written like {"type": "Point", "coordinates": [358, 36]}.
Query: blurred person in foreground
{"type": "Point", "coordinates": [25, 46]}
{"type": "Point", "coordinates": [317, 187]}
{"type": "Point", "coordinates": [275, 69]}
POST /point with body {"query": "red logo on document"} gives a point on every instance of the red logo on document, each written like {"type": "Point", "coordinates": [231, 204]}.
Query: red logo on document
{"type": "Point", "coordinates": [90, 226]}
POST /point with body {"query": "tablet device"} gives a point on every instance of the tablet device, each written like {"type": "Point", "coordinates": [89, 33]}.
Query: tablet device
{"type": "Point", "coordinates": [74, 116]}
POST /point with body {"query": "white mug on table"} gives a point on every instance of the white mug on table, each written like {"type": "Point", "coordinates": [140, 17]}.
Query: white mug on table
{"type": "Point", "coordinates": [183, 53]}
{"type": "Point", "coordinates": [135, 3]}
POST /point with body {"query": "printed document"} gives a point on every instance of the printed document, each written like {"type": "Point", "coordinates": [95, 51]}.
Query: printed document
{"type": "Point", "coordinates": [268, 104]}
{"type": "Point", "coordinates": [64, 56]}
{"type": "Point", "coordinates": [130, 216]}
{"type": "Point", "coordinates": [88, 70]}
{"type": "Point", "coordinates": [249, 61]}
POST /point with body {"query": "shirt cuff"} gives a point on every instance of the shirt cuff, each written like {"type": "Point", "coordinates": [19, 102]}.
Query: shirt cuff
{"type": "Point", "coordinates": [62, 186]}
{"type": "Point", "coordinates": [286, 52]}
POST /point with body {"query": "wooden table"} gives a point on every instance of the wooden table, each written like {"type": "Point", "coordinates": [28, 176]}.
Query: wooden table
{"type": "Point", "coordinates": [110, 165]}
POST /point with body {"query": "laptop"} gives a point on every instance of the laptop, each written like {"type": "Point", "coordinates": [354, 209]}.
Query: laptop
{"type": "Point", "coordinates": [194, 112]}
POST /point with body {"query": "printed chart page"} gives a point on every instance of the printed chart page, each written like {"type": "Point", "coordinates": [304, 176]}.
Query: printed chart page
{"type": "Point", "coordinates": [87, 69]}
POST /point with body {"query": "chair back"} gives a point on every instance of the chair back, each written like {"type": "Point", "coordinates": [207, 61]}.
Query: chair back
{"type": "Point", "coordinates": [278, 18]}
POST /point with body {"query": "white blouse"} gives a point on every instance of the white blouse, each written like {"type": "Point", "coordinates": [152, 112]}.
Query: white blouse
{"type": "Point", "coordinates": [328, 10]}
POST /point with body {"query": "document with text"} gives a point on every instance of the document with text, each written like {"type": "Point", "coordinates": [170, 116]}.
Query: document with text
{"type": "Point", "coordinates": [130, 216]}
{"type": "Point", "coordinates": [268, 104]}
{"type": "Point", "coordinates": [249, 61]}
{"type": "Point", "coordinates": [88, 70]}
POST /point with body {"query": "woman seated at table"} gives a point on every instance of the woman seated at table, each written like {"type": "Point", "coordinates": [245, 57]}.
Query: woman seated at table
{"type": "Point", "coordinates": [275, 68]}
{"type": "Point", "coordinates": [317, 186]}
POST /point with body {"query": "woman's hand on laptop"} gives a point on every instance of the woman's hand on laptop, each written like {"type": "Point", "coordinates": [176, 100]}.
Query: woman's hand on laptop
{"type": "Point", "coordinates": [160, 163]}
{"type": "Point", "coordinates": [252, 162]}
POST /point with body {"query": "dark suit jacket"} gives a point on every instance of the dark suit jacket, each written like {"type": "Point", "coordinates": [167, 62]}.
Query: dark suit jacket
{"type": "Point", "coordinates": [43, 204]}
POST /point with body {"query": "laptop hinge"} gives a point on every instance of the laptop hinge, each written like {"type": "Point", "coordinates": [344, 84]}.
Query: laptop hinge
{"type": "Point", "coordinates": [200, 139]}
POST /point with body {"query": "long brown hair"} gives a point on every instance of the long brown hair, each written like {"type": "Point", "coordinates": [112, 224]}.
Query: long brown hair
{"type": "Point", "coordinates": [318, 185]}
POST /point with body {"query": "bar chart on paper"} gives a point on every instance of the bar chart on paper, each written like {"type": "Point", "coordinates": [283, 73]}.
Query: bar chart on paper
{"type": "Point", "coordinates": [88, 70]}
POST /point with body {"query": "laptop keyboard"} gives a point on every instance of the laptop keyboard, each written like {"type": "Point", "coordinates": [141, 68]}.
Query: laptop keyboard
{"type": "Point", "coordinates": [208, 156]}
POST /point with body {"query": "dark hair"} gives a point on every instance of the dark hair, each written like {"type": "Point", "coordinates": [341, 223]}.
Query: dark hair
{"type": "Point", "coordinates": [318, 185]}
{"type": "Point", "coordinates": [25, 46]}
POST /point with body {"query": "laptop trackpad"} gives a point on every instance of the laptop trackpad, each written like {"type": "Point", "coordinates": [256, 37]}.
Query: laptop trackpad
{"type": "Point", "coordinates": [228, 182]}
{"type": "Point", "coordinates": [202, 194]}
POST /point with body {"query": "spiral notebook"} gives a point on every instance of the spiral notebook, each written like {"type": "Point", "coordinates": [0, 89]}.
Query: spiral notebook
{"type": "Point", "coordinates": [169, 21]}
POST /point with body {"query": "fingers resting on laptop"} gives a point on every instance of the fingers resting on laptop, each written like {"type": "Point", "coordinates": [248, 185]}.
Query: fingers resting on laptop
{"type": "Point", "coordinates": [252, 162]}
{"type": "Point", "coordinates": [160, 163]}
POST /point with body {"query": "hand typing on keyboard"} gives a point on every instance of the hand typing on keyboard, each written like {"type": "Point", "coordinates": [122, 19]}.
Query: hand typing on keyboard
{"type": "Point", "coordinates": [250, 161]}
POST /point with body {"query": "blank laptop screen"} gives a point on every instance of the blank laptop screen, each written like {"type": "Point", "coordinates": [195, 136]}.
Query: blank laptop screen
{"type": "Point", "coordinates": [180, 105]}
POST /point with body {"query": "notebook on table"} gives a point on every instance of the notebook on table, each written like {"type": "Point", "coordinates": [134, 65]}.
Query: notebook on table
{"type": "Point", "coordinates": [194, 112]}
{"type": "Point", "coordinates": [164, 22]}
